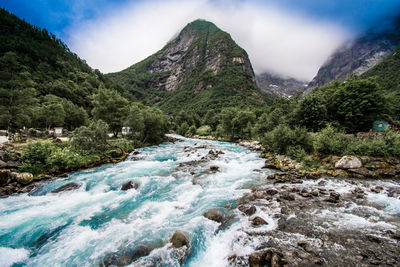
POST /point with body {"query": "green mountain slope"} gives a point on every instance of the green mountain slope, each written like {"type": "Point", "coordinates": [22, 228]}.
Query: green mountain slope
{"type": "Point", "coordinates": [38, 71]}
{"type": "Point", "coordinates": [388, 71]}
{"type": "Point", "coordinates": [201, 69]}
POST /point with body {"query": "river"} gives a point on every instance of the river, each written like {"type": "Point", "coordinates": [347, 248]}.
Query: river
{"type": "Point", "coordinates": [82, 227]}
{"type": "Point", "coordinates": [98, 224]}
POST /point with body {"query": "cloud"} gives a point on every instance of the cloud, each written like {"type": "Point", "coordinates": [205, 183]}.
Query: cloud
{"type": "Point", "coordinates": [276, 40]}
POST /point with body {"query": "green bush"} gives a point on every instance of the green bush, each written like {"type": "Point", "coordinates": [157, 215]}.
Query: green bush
{"type": "Point", "coordinates": [331, 142]}
{"type": "Point", "coordinates": [183, 129]}
{"type": "Point", "coordinates": [388, 146]}
{"type": "Point", "coordinates": [63, 159]}
{"type": "Point", "coordinates": [296, 152]}
{"type": "Point", "coordinates": [204, 130]}
{"type": "Point", "coordinates": [283, 137]}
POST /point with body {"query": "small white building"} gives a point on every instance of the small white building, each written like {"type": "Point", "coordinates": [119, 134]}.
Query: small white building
{"type": "Point", "coordinates": [58, 131]}
{"type": "Point", "coordinates": [125, 130]}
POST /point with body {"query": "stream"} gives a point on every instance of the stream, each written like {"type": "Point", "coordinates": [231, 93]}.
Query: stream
{"type": "Point", "coordinates": [98, 224]}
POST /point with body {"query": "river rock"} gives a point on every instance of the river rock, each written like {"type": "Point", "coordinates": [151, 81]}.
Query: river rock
{"type": "Point", "coordinates": [129, 185]}
{"type": "Point", "coordinates": [248, 210]}
{"type": "Point", "coordinates": [214, 215]}
{"type": "Point", "coordinates": [257, 221]}
{"type": "Point", "coordinates": [214, 168]}
{"type": "Point", "coordinates": [66, 187]}
{"type": "Point", "coordinates": [348, 162]}
{"type": "Point", "coordinates": [5, 176]}
{"type": "Point", "coordinates": [2, 164]}
{"type": "Point", "coordinates": [128, 255]}
{"type": "Point", "coordinates": [22, 178]}
{"type": "Point", "coordinates": [180, 239]}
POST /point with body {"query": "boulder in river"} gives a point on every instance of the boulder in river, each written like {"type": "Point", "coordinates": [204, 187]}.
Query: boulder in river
{"type": "Point", "coordinates": [66, 187]}
{"type": "Point", "coordinates": [248, 210]}
{"type": "Point", "coordinates": [348, 162]}
{"type": "Point", "coordinates": [214, 168]}
{"type": "Point", "coordinates": [214, 215]}
{"type": "Point", "coordinates": [257, 221]}
{"type": "Point", "coordinates": [129, 185]}
{"type": "Point", "coordinates": [180, 239]}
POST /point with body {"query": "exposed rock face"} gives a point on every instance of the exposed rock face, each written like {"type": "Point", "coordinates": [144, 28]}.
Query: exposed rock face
{"type": "Point", "coordinates": [202, 57]}
{"type": "Point", "coordinates": [357, 57]}
{"type": "Point", "coordinates": [349, 162]}
{"type": "Point", "coordinates": [280, 86]}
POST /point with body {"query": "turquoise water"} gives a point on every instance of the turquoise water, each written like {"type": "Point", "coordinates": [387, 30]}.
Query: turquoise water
{"type": "Point", "coordinates": [84, 226]}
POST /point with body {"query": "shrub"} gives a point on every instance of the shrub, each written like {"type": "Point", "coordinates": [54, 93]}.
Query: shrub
{"type": "Point", "coordinates": [330, 142]}
{"type": "Point", "coordinates": [283, 137]}
{"type": "Point", "coordinates": [34, 157]}
{"type": "Point", "coordinates": [63, 159]}
{"type": "Point", "coordinates": [91, 138]}
{"type": "Point", "coordinates": [183, 129]}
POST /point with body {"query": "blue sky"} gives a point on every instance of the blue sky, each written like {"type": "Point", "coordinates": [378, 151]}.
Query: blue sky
{"type": "Point", "coordinates": [288, 37]}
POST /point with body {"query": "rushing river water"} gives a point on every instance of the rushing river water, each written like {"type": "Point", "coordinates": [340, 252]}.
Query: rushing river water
{"type": "Point", "coordinates": [176, 186]}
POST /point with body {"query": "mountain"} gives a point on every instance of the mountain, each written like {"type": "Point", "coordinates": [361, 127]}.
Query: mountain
{"type": "Point", "coordinates": [358, 56]}
{"type": "Point", "coordinates": [41, 79]}
{"type": "Point", "coordinates": [202, 68]}
{"type": "Point", "coordinates": [280, 86]}
{"type": "Point", "coordinates": [388, 71]}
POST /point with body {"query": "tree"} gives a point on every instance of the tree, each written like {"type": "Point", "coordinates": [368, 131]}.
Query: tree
{"type": "Point", "coordinates": [156, 125]}
{"type": "Point", "coordinates": [357, 103]}
{"type": "Point", "coordinates": [312, 112]}
{"type": "Point", "coordinates": [74, 116]}
{"type": "Point", "coordinates": [51, 111]}
{"type": "Point", "coordinates": [135, 121]}
{"type": "Point", "coordinates": [242, 123]}
{"type": "Point", "coordinates": [91, 138]}
{"type": "Point", "coordinates": [111, 107]}
{"type": "Point", "coordinates": [226, 117]}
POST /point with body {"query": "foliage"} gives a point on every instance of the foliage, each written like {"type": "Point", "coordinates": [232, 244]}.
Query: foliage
{"type": "Point", "coordinates": [111, 107]}
{"type": "Point", "coordinates": [91, 138]}
{"type": "Point", "coordinates": [183, 128]}
{"type": "Point", "coordinates": [34, 64]}
{"type": "Point", "coordinates": [282, 138]}
{"type": "Point", "coordinates": [330, 142]}
{"type": "Point", "coordinates": [389, 146]}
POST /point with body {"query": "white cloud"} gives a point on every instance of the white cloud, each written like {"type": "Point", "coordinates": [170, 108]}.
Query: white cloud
{"type": "Point", "coordinates": [276, 40]}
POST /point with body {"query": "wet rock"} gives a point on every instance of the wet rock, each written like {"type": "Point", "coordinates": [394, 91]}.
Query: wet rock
{"type": "Point", "coordinates": [373, 238]}
{"type": "Point", "coordinates": [214, 168]}
{"type": "Point", "coordinates": [288, 196]}
{"type": "Point", "coordinates": [2, 164]}
{"type": "Point", "coordinates": [180, 239]}
{"type": "Point", "coordinates": [66, 187]}
{"type": "Point", "coordinates": [271, 191]}
{"type": "Point", "coordinates": [377, 189]}
{"type": "Point", "coordinates": [129, 185]}
{"type": "Point", "coordinates": [5, 176]}
{"type": "Point", "coordinates": [248, 210]}
{"type": "Point", "coordinates": [363, 172]}
{"type": "Point", "coordinates": [22, 178]}
{"type": "Point", "coordinates": [214, 215]}
{"type": "Point", "coordinates": [257, 221]}
{"type": "Point", "coordinates": [265, 258]}
{"type": "Point", "coordinates": [128, 255]}
{"type": "Point", "coordinates": [333, 197]}
{"type": "Point", "coordinates": [27, 188]}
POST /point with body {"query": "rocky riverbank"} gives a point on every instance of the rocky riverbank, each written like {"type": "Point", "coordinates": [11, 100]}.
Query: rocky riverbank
{"type": "Point", "coordinates": [12, 181]}
{"type": "Point", "coordinates": [327, 221]}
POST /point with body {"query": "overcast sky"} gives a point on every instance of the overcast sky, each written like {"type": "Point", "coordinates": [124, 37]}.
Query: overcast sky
{"type": "Point", "coordinates": [287, 37]}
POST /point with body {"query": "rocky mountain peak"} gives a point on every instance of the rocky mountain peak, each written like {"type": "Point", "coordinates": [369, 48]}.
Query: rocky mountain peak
{"type": "Point", "coordinates": [201, 47]}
